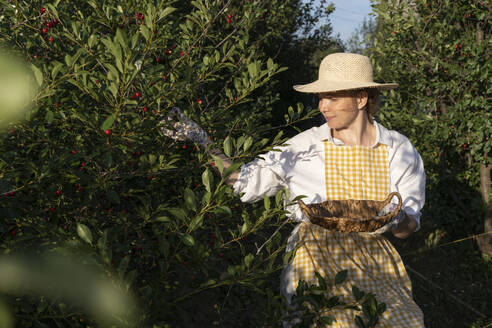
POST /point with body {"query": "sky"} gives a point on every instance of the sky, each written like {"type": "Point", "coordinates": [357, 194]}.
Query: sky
{"type": "Point", "coordinates": [348, 15]}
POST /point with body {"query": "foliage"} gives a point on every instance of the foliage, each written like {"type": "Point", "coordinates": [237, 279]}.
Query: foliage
{"type": "Point", "coordinates": [439, 54]}
{"type": "Point", "coordinates": [89, 175]}
{"type": "Point", "coordinates": [311, 304]}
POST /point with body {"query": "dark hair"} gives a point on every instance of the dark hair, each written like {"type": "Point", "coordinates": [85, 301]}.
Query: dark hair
{"type": "Point", "coordinates": [372, 102]}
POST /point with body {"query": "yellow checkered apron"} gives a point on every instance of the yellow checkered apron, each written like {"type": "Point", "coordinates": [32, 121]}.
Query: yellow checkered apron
{"type": "Point", "coordinates": [374, 266]}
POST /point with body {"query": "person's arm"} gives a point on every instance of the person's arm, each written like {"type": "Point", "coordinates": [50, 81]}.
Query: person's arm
{"type": "Point", "coordinates": [405, 227]}
{"type": "Point", "coordinates": [409, 175]}
{"type": "Point", "coordinates": [232, 178]}
{"type": "Point", "coordinates": [260, 177]}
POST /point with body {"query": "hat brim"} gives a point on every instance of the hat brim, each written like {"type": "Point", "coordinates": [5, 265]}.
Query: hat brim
{"type": "Point", "coordinates": [322, 86]}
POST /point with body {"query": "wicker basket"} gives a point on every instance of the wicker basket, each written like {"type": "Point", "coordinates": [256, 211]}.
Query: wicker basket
{"type": "Point", "coordinates": [350, 215]}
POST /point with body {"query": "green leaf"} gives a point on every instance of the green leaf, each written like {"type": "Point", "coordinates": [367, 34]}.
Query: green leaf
{"type": "Point", "coordinates": [108, 123]}
{"type": "Point", "coordinates": [144, 30]}
{"type": "Point", "coordinates": [84, 233]}
{"type": "Point", "coordinates": [248, 259]}
{"type": "Point", "coordinates": [49, 116]}
{"type": "Point", "coordinates": [340, 277]}
{"type": "Point", "coordinates": [227, 146]}
{"type": "Point", "coordinates": [222, 209]}
{"type": "Point", "coordinates": [357, 293]}
{"type": "Point", "coordinates": [195, 223]}
{"type": "Point", "coordinates": [177, 212]}
{"type": "Point", "coordinates": [219, 163]}
{"type": "Point", "coordinates": [165, 12]}
{"type": "Point", "coordinates": [56, 68]}
{"type": "Point", "coordinates": [252, 70]}
{"type": "Point", "coordinates": [37, 74]}
{"type": "Point", "coordinates": [92, 40]}
{"type": "Point", "coordinates": [266, 202]}
{"type": "Point", "coordinates": [187, 239]}
{"type": "Point", "coordinates": [360, 323]}
{"type": "Point", "coordinates": [207, 179]}
{"type": "Point", "coordinates": [122, 38]}
{"type": "Point", "coordinates": [162, 219]}
{"type": "Point", "coordinates": [190, 199]}
{"type": "Point", "coordinates": [247, 143]}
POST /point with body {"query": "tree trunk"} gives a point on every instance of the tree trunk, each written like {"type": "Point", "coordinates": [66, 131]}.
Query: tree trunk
{"type": "Point", "coordinates": [485, 242]}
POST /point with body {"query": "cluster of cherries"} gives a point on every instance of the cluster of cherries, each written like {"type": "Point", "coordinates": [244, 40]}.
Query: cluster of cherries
{"type": "Point", "coordinates": [48, 24]}
{"type": "Point", "coordinates": [140, 17]}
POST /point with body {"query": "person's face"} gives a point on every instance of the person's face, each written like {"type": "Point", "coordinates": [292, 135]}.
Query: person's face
{"type": "Point", "coordinates": [340, 109]}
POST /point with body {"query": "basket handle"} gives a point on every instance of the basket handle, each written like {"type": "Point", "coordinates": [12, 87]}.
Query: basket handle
{"type": "Point", "coordinates": [390, 197]}
{"type": "Point", "coordinates": [307, 211]}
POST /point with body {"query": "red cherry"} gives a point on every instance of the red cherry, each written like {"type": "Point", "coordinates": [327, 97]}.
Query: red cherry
{"type": "Point", "coordinates": [108, 132]}
{"type": "Point", "coordinates": [199, 101]}
{"type": "Point", "coordinates": [11, 193]}
{"type": "Point", "coordinates": [229, 21]}
{"type": "Point", "coordinates": [138, 94]}
{"type": "Point", "coordinates": [14, 232]}
{"type": "Point", "coordinates": [181, 53]}
{"type": "Point", "coordinates": [184, 146]}
{"type": "Point", "coordinates": [50, 39]}
{"type": "Point", "coordinates": [82, 164]}
{"type": "Point", "coordinates": [229, 16]}
{"type": "Point", "coordinates": [58, 192]}
{"type": "Point", "coordinates": [133, 97]}
{"type": "Point", "coordinates": [42, 10]}
{"type": "Point", "coordinates": [45, 30]}
{"type": "Point", "coordinates": [213, 164]}
{"type": "Point", "coordinates": [35, 56]}
{"type": "Point", "coordinates": [74, 151]}
{"type": "Point", "coordinates": [52, 209]}
{"type": "Point", "coordinates": [157, 60]}
{"type": "Point", "coordinates": [145, 109]}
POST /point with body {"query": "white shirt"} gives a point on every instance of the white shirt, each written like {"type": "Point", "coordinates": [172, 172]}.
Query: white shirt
{"type": "Point", "coordinates": [299, 167]}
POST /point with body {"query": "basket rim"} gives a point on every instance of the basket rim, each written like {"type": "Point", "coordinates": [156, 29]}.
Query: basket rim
{"type": "Point", "coordinates": [310, 214]}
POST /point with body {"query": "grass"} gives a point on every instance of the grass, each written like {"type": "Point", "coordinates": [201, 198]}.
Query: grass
{"type": "Point", "coordinates": [453, 283]}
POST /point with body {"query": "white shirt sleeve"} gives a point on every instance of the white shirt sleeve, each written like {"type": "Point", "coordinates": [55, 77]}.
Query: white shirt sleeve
{"type": "Point", "coordinates": [263, 176]}
{"type": "Point", "coordinates": [407, 176]}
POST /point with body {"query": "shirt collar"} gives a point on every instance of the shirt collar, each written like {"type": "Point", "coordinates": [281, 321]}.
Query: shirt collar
{"type": "Point", "coordinates": [382, 135]}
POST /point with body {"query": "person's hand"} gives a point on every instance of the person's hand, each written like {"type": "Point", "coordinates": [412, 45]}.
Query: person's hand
{"type": "Point", "coordinates": [394, 222]}
{"type": "Point", "coordinates": [183, 128]}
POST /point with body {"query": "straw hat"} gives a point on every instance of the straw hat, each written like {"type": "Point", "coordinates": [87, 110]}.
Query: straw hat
{"type": "Point", "coordinates": [344, 71]}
